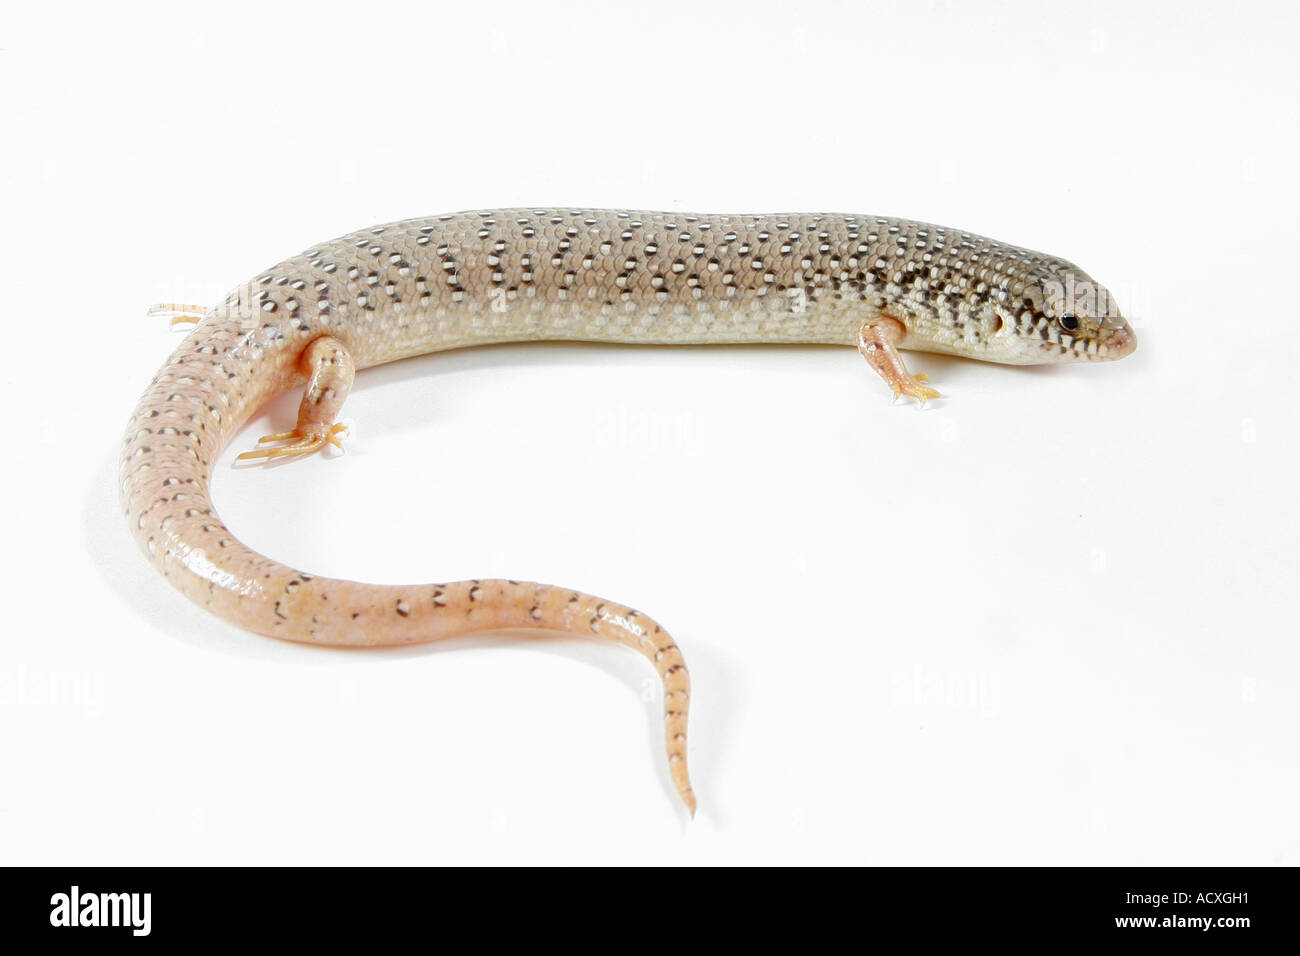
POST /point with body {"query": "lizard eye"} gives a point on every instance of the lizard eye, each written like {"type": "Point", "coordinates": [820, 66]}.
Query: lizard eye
{"type": "Point", "coordinates": [1069, 321]}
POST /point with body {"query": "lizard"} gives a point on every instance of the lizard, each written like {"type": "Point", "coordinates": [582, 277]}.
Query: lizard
{"type": "Point", "coordinates": [423, 285]}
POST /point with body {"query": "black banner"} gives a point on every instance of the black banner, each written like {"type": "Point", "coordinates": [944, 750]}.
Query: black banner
{"type": "Point", "coordinates": [332, 906]}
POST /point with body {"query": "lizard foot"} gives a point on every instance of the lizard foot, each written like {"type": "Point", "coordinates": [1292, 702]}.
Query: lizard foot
{"type": "Point", "coordinates": [297, 443]}
{"type": "Point", "coordinates": [181, 314]}
{"type": "Point", "coordinates": [912, 387]}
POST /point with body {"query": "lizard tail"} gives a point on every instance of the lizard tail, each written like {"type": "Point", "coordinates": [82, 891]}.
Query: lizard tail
{"type": "Point", "coordinates": [179, 429]}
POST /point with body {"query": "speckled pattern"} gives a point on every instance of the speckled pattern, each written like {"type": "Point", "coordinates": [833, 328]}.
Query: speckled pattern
{"type": "Point", "coordinates": [517, 275]}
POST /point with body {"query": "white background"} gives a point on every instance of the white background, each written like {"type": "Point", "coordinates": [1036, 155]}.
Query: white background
{"type": "Point", "coordinates": [1047, 619]}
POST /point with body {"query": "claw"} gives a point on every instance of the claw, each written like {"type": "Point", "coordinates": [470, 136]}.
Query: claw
{"type": "Point", "coordinates": [332, 437]}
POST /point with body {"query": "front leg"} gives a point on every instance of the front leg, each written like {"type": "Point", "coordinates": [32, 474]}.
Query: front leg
{"type": "Point", "coordinates": [330, 372]}
{"type": "Point", "coordinates": [878, 341]}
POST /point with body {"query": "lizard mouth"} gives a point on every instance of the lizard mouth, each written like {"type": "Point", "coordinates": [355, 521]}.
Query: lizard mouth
{"type": "Point", "coordinates": [1122, 342]}
{"type": "Point", "coordinates": [1118, 343]}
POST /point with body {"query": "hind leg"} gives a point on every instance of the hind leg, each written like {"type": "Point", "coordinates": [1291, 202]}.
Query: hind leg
{"type": "Point", "coordinates": [330, 371]}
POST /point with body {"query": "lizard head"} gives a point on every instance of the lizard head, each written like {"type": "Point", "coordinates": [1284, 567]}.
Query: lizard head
{"type": "Point", "coordinates": [1061, 315]}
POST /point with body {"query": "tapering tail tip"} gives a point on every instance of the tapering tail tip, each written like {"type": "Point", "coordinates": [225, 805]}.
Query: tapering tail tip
{"type": "Point", "coordinates": [682, 781]}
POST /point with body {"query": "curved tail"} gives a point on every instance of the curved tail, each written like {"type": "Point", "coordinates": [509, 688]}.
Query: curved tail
{"type": "Point", "coordinates": [215, 380]}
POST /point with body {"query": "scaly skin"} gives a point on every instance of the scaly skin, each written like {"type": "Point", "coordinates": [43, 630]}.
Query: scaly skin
{"type": "Point", "coordinates": [521, 275]}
